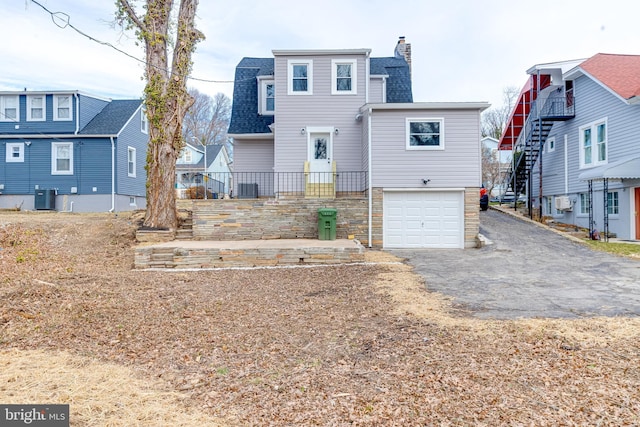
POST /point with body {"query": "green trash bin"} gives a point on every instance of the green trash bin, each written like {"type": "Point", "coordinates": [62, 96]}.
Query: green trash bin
{"type": "Point", "coordinates": [327, 224]}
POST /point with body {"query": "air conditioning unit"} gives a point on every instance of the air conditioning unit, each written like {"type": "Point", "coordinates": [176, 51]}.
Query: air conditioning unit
{"type": "Point", "coordinates": [248, 191]}
{"type": "Point", "coordinates": [563, 203]}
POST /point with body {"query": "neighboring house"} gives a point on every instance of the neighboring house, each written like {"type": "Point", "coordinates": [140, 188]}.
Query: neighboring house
{"type": "Point", "coordinates": [326, 124]}
{"type": "Point", "coordinates": [498, 166]}
{"type": "Point", "coordinates": [190, 169]}
{"type": "Point", "coordinates": [579, 150]}
{"type": "Point", "coordinates": [70, 151]}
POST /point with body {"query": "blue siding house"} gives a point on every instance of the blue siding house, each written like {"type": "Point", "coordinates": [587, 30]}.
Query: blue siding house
{"type": "Point", "coordinates": [70, 151]}
{"type": "Point", "coordinates": [574, 135]}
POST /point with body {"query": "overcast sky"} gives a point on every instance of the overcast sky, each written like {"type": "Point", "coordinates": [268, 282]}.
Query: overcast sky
{"type": "Point", "coordinates": [462, 50]}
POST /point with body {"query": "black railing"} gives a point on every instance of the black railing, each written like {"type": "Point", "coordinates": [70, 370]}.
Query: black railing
{"type": "Point", "coordinates": [559, 105]}
{"type": "Point", "coordinates": [251, 185]}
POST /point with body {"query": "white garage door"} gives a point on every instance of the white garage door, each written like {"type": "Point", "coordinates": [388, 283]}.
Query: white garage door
{"type": "Point", "coordinates": [423, 219]}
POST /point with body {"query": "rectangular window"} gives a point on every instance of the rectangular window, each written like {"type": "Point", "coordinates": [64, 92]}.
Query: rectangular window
{"type": "Point", "coordinates": [549, 203]}
{"type": "Point", "coordinates": [62, 108]}
{"type": "Point", "coordinates": [267, 97]}
{"type": "Point", "coordinates": [62, 158]}
{"type": "Point", "coordinates": [15, 152]}
{"type": "Point", "coordinates": [36, 108]}
{"type": "Point", "coordinates": [300, 77]}
{"type": "Point", "coordinates": [551, 145]}
{"type": "Point", "coordinates": [584, 204]}
{"type": "Point", "coordinates": [187, 156]}
{"type": "Point", "coordinates": [9, 108]}
{"type": "Point", "coordinates": [593, 144]}
{"type": "Point", "coordinates": [144, 121]}
{"type": "Point", "coordinates": [425, 134]}
{"type": "Point", "coordinates": [131, 162]}
{"type": "Point", "coordinates": [613, 206]}
{"type": "Point", "coordinates": [132, 201]}
{"type": "Point", "coordinates": [343, 76]}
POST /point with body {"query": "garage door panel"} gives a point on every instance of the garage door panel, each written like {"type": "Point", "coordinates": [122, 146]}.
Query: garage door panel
{"type": "Point", "coordinates": [428, 219]}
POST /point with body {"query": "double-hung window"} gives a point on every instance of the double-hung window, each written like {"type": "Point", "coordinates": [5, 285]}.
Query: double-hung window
{"type": "Point", "coordinates": [36, 108]}
{"type": "Point", "coordinates": [613, 203]}
{"type": "Point", "coordinates": [144, 121]}
{"type": "Point", "coordinates": [131, 162]}
{"type": "Point", "coordinates": [62, 108]}
{"type": "Point", "coordinates": [300, 77]}
{"type": "Point", "coordinates": [343, 77]}
{"type": "Point", "coordinates": [267, 97]}
{"type": "Point", "coordinates": [425, 134]}
{"type": "Point", "coordinates": [9, 108]}
{"type": "Point", "coordinates": [15, 152]}
{"type": "Point", "coordinates": [593, 144]}
{"type": "Point", "coordinates": [62, 158]}
{"type": "Point", "coordinates": [584, 204]}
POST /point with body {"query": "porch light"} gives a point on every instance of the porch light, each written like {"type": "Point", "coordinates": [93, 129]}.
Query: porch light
{"type": "Point", "coordinates": [337, 131]}
{"type": "Point", "coordinates": [302, 131]}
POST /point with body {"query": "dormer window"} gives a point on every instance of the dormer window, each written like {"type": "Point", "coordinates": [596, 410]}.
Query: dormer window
{"type": "Point", "coordinates": [343, 76]}
{"type": "Point", "coordinates": [301, 77]}
{"type": "Point", "coordinates": [267, 97]}
{"type": "Point", "coordinates": [62, 108]}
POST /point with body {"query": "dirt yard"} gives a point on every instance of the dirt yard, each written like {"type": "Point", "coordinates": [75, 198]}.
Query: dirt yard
{"type": "Point", "coordinates": [329, 346]}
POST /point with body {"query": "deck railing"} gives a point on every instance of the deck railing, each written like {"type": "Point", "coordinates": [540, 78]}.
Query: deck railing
{"type": "Point", "coordinates": [251, 185]}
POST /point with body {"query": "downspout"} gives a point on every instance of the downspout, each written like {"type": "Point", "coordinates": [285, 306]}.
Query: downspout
{"type": "Point", "coordinates": [113, 175]}
{"type": "Point", "coordinates": [77, 113]}
{"type": "Point", "coordinates": [370, 180]}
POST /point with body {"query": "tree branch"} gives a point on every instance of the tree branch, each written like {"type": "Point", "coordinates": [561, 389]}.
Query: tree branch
{"type": "Point", "coordinates": [126, 8]}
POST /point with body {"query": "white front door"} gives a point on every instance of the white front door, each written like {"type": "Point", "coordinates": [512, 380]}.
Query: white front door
{"type": "Point", "coordinates": [319, 154]}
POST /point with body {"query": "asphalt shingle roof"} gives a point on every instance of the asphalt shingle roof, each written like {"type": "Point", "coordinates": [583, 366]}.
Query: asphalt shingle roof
{"type": "Point", "coordinates": [244, 113]}
{"type": "Point", "coordinates": [620, 73]}
{"type": "Point", "coordinates": [112, 118]}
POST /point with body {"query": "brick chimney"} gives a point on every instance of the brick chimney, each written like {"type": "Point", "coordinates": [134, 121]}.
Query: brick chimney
{"type": "Point", "coordinates": [403, 50]}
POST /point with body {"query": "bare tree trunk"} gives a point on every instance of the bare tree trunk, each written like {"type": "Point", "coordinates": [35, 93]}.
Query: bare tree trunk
{"type": "Point", "coordinates": [166, 99]}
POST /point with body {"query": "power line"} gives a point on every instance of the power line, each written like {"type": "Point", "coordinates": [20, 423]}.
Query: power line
{"type": "Point", "coordinates": [63, 20]}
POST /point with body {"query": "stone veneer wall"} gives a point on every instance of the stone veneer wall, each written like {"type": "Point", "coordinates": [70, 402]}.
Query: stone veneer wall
{"type": "Point", "coordinates": [297, 218]}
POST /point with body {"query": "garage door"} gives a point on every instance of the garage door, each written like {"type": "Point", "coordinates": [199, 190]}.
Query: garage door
{"type": "Point", "coordinates": [423, 219]}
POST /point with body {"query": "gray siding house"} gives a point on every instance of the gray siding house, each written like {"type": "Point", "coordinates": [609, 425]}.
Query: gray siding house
{"type": "Point", "coordinates": [587, 157]}
{"type": "Point", "coordinates": [70, 151]}
{"type": "Point", "coordinates": [332, 124]}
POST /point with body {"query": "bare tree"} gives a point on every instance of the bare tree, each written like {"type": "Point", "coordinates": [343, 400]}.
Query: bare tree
{"type": "Point", "coordinates": [208, 118]}
{"type": "Point", "coordinates": [491, 168]}
{"type": "Point", "coordinates": [165, 95]}
{"type": "Point", "coordinates": [494, 120]}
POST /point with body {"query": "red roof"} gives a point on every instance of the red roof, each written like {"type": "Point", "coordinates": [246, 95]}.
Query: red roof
{"type": "Point", "coordinates": [620, 73]}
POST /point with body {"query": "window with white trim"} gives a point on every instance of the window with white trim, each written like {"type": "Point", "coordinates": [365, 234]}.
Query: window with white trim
{"type": "Point", "coordinates": [584, 203]}
{"type": "Point", "coordinates": [131, 162]}
{"type": "Point", "coordinates": [187, 155]}
{"type": "Point", "coordinates": [343, 77]}
{"type": "Point", "coordinates": [15, 152]}
{"type": "Point", "coordinates": [144, 121]}
{"type": "Point", "coordinates": [300, 77]}
{"type": "Point", "coordinates": [613, 203]}
{"type": "Point", "coordinates": [267, 97]}
{"type": "Point", "coordinates": [61, 158]}
{"type": "Point", "coordinates": [62, 108]}
{"type": "Point", "coordinates": [551, 145]}
{"type": "Point", "coordinates": [9, 108]}
{"type": "Point", "coordinates": [36, 108]}
{"type": "Point", "coordinates": [593, 144]}
{"type": "Point", "coordinates": [425, 133]}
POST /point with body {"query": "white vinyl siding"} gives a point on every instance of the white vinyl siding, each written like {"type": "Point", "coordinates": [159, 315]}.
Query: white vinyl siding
{"type": "Point", "coordinates": [9, 108]}
{"type": "Point", "coordinates": [61, 158]}
{"type": "Point", "coordinates": [36, 108]}
{"type": "Point", "coordinates": [62, 108]}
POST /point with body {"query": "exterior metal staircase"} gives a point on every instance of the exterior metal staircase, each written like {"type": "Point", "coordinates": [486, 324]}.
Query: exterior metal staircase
{"type": "Point", "coordinates": [558, 106]}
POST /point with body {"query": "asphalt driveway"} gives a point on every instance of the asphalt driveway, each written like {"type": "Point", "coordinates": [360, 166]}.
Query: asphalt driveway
{"type": "Point", "coordinates": [529, 271]}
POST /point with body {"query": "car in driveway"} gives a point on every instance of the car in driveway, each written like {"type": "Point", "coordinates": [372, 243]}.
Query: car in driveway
{"type": "Point", "coordinates": [508, 197]}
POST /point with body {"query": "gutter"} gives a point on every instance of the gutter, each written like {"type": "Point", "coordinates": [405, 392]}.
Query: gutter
{"type": "Point", "coordinates": [77, 113]}
{"type": "Point", "coordinates": [370, 215]}
{"type": "Point", "coordinates": [113, 175]}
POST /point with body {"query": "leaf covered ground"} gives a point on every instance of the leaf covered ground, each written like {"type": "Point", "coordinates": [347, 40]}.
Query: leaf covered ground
{"type": "Point", "coordinates": [363, 345]}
